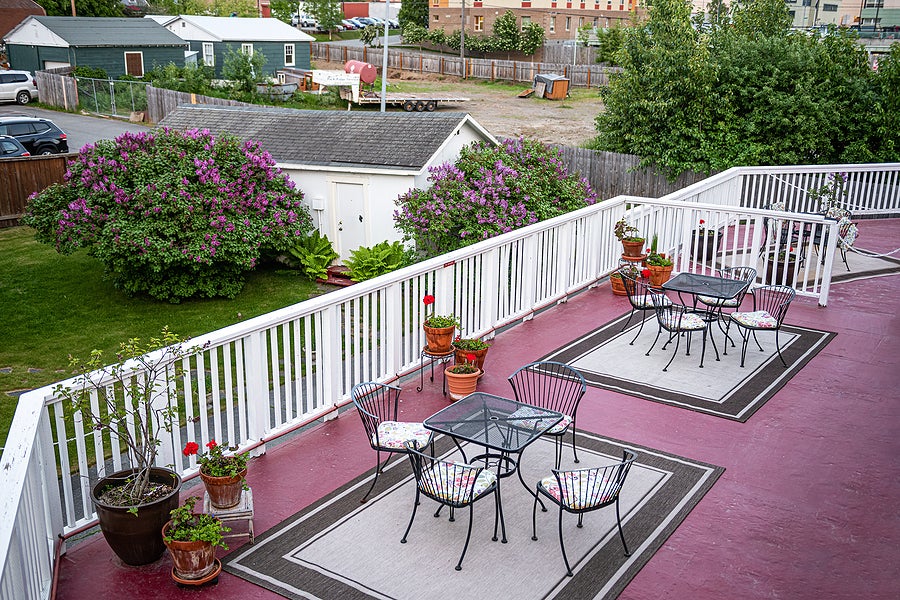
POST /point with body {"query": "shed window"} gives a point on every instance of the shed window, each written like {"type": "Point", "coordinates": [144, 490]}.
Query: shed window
{"type": "Point", "coordinates": [209, 56]}
{"type": "Point", "coordinates": [134, 63]}
{"type": "Point", "coordinates": [246, 48]}
{"type": "Point", "coordinates": [289, 55]}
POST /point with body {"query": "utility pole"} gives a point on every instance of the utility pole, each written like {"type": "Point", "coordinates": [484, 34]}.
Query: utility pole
{"type": "Point", "coordinates": [384, 58]}
{"type": "Point", "coordinates": [462, 36]}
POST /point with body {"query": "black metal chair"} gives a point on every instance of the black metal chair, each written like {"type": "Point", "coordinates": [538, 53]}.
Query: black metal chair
{"type": "Point", "coordinates": [378, 405]}
{"type": "Point", "coordinates": [770, 306]}
{"type": "Point", "coordinates": [452, 484]}
{"type": "Point", "coordinates": [676, 319]}
{"type": "Point", "coordinates": [581, 491]}
{"type": "Point", "coordinates": [554, 386]}
{"type": "Point", "coordinates": [716, 305]}
{"type": "Point", "coordinates": [636, 290]}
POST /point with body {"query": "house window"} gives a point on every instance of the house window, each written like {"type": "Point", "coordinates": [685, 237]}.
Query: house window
{"type": "Point", "coordinates": [209, 56]}
{"type": "Point", "coordinates": [134, 63]}
{"type": "Point", "coordinates": [289, 55]}
{"type": "Point", "coordinates": [568, 23]}
{"type": "Point", "coordinates": [552, 24]}
{"type": "Point", "coordinates": [525, 22]}
{"type": "Point", "coordinates": [479, 23]}
{"type": "Point", "coordinates": [437, 17]}
{"type": "Point", "coordinates": [246, 48]}
{"type": "Point", "coordinates": [435, 2]}
{"type": "Point", "coordinates": [830, 8]}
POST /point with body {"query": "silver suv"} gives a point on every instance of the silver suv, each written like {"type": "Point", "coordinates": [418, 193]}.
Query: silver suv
{"type": "Point", "coordinates": [17, 86]}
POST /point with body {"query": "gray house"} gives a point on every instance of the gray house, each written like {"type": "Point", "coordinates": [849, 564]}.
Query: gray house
{"type": "Point", "coordinates": [351, 166]}
{"type": "Point", "coordinates": [212, 37]}
{"type": "Point", "coordinates": [119, 46]}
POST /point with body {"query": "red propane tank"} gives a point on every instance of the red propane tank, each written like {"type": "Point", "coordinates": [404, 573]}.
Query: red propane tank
{"type": "Point", "coordinates": [367, 72]}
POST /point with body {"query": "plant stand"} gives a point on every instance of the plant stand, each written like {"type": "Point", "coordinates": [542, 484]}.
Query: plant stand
{"type": "Point", "coordinates": [243, 511]}
{"type": "Point", "coordinates": [440, 357]}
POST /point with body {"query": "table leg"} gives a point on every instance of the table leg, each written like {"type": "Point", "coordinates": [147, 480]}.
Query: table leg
{"type": "Point", "coordinates": [525, 485]}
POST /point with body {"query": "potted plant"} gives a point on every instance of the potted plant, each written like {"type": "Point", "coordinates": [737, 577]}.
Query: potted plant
{"type": "Point", "coordinates": [224, 476]}
{"type": "Point", "coordinates": [659, 265]}
{"type": "Point", "coordinates": [632, 243]}
{"type": "Point", "coordinates": [135, 402]}
{"type": "Point", "coordinates": [439, 330]}
{"type": "Point", "coordinates": [192, 539]}
{"type": "Point", "coordinates": [473, 346]}
{"type": "Point", "coordinates": [703, 242]}
{"type": "Point", "coordinates": [615, 279]}
{"type": "Point", "coordinates": [462, 379]}
{"type": "Point", "coordinates": [781, 266]}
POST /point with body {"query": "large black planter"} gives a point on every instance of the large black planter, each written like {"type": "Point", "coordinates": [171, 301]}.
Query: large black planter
{"type": "Point", "coordinates": [135, 538]}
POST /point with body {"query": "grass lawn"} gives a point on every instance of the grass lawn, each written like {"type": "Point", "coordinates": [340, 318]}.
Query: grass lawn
{"type": "Point", "coordinates": [55, 305]}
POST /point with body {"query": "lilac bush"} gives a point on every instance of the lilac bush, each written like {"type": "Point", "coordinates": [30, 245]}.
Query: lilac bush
{"type": "Point", "coordinates": [488, 191]}
{"type": "Point", "coordinates": [172, 214]}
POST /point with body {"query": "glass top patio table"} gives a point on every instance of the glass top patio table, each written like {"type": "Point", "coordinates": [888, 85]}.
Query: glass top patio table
{"type": "Point", "coordinates": [705, 285]}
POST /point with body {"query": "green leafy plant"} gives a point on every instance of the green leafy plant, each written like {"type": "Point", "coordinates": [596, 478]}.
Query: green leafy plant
{"type": "Point", "coordinates": [366, 263]}
{"type": "Point", "coordinates": [315, 254]}
{"type": "Point", "coordinates": [188, 526]}
{"type": "Point", "coordinates": [654, 258]}
{"type": "Point", "coordinates": [469, 344]}
{"type": "Point", "coordinates": [438, 321]}
{"type": "Point", "coordinates": [90, 72]}
{"type": "Point", "coordinates": [625, 232]}
{"type": "Point", "coordinates": [466, 368]}
{"type": "Point", "coordinates": [215, 463]}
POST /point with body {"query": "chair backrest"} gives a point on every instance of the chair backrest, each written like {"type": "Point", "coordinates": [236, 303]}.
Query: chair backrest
{"type": "Point", "coordinates": [551, 385]}
{"type": "Point", "coordinates": [375, 402]}
{"type": "Point", "coordinates": [668, 313]}
{"type": "Point", "coordinates": [584, 489]}
{"type": "Point", "coordinates": [774, 299]}
{"type": "Point", "coordinates": [635, 289]}
{"type": "Point", "coordinates": [847, 232]}
{"type": "Point", "coordinates": [747, 274]}
{"type": "Point", "coordinates": [445, 481]}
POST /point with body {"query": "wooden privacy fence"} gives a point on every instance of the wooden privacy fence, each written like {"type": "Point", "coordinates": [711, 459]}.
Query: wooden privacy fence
{"type": "Point", "coordinates": [20, 177]}
{"type": "Point", "coordinates": [161, 102]}
{"type": "Point", "coordinates": [56, 88]}
{"type": "Point", "coordinates": [591, 75]}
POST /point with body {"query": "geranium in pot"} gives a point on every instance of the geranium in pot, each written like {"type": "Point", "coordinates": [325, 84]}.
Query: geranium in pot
{"type": "Point", "coordinates": [192, 539]}
{"type": "Point", "coordinates": [781, 266]}
{"type": "Point", "coordinates": [223, 475]}
{"type": "Point", "coordinates": [462, 379]}
{"type": "Point", "coordinates": [439, 329]}
{"type": "Point", "coordinates": [134, 402]}
{"type": "Point", "coordinates": [465, 346]}
{"type": "Point", "coordinates": [632, 243]}
{"type": "Point", "coordinates": [659, 265]}
{"type": "Point", "coordinates": [703, 242]}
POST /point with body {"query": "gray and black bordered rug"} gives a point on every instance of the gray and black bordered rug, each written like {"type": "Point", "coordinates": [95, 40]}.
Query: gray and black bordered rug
{"type": "Point", "coordinates": [722, 388]}
{"type": "Point", "coordinates": [339, 548]}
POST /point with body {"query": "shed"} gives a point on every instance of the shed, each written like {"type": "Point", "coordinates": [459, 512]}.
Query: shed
{"type": "Point", "coordinates": [213, 37]}
{"type": "Point", "coordinates": [555, 87]}
{"type": "Point", "coordinates": [351, 166]}
{"type": "Point", "coordinates": [118, 45]}
{"type": "Point", "coordinates": [13, 12]}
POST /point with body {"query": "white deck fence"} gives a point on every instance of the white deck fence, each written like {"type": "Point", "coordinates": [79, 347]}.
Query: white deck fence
{"type": "Point", "coordinates": [259, 379]}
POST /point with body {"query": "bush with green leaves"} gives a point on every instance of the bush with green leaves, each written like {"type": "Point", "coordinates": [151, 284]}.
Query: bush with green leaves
{"type": "Point", "coordinates": [90, 72]}
{"type": "Point", "coordinates": [315, 254]}
{"type": "Point", "coordinates": [172, 214]}
{"type": "Point", "coordinates": [194, 79]}
{"type": "Point", "coordinates": [488, 191]}
{"type": "Point", "coordinates": [367, 263]}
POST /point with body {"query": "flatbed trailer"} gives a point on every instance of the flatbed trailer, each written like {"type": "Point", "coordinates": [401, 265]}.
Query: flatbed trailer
{"type": "Point", "coordinates": [408, 102]}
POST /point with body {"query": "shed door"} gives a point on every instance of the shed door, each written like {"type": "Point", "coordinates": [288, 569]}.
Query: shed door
{"type": "Point", "coordinates": [349, 200]}
{"type": "Point", "coordinates": [134, 63]}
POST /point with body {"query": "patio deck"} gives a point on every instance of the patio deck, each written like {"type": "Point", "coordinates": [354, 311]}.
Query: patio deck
{"type": "Point", "coordinates": [807, 506]}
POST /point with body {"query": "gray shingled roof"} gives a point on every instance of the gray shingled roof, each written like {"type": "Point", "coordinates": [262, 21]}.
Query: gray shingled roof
{"type": "Point", "coordinates": [327, 137]}
{"type": "Point", "coordinates": [110, 31]}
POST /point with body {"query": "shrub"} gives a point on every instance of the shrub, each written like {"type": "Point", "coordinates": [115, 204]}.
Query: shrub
{"type": "Point", "coordinates": [315, 254]}
{"type": "Point", "coordinates": [172, 214]}
{"type": "Point", "coordinates": [490, 190]}
{"type": "Point", "coordinates": [367, 263]}
{"type": "Point", "coordinates": [90, 72]}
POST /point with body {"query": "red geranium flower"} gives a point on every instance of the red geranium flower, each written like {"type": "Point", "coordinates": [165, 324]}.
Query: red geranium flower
{"type": "Point", "coordinates": [702, 221]}
{"type": "Point", "coordinates": [645, 273]}
{"type": "Point", "coordinates": [428, 300]}
{"type": "Point", "coordinates": [190, 448]}
{"type": "Point", "coordinates": [212, 444]}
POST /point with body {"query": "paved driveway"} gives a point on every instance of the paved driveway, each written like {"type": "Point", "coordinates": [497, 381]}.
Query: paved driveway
{"type": "Point", "coordinates": [80, 129]}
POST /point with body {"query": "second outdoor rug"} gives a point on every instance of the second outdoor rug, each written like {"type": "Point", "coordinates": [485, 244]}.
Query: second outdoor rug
{"type": "Point", "coordinates": [339, 548]}
{"type": "Point", "coordinates": [721, 388]}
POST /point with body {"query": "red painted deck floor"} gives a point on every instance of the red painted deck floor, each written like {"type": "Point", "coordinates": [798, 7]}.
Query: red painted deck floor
{"type": "Point", "coordinates": [807, 506]}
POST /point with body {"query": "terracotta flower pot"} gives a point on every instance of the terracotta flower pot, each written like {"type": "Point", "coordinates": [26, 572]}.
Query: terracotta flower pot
{"type": "Point", "coordinates": [480, 355]}
{"type": "Point", "coordinates": [439, 339]}
{"type": "Point", "coordinates": [633, 248]}
{"type": "Point", "coordinates": [461, 384]}
{"type": "Point", "coordinates": [224, 492]}
{"type": "Point", "coordinates": [618, 286]}
{"type": "Point", "coordinates": [192, 560]}
{"type": "Point", "coordinates": [659, 275]}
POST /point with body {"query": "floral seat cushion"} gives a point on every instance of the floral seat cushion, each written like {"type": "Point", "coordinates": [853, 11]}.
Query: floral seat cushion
{"type": "Point", "coordinates": [689, 321]}
{"type": "Point", "coordinates": [394, 435]}
{"type": "Point", "coordinates": [525, 417]}
{"type": "Point", "coordinates": [759, 319]}
{"type": "Point", "coordinates": [849, 233]}
{"type": "Point", "coordinates": [646, 302]}
{"type": "Point", "coordinates": [581, 489]}
{"type": "Point", "coordinates": [451, 481]}
{"type": "Point", "coordinates": [710, 301]}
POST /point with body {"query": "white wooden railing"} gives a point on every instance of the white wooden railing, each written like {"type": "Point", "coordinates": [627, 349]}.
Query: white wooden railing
{"type": "Point", "coordinates": [262, 378]}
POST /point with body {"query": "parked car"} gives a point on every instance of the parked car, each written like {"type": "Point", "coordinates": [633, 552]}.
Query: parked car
{"type": "Point", "coordinates": [10, 147]}
{"type": "Point", "coordinates": [360, 24]}
{"type": "Point", "coordinates": [393, 23]}
{"type": "Point", "coordinates": [17, 86]}
{"type": "Point", "coordinates": [302, 21]}
{"type": "Point", "coordinates": [348, 24]}
{"type": "Point", "coordinates": [39, 136]}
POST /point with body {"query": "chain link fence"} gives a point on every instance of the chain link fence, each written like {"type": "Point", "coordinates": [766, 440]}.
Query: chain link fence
{"type": "Point", "coordinates": [111, 97]}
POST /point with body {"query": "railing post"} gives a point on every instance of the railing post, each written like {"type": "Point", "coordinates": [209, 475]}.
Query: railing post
{"type": "Point", "coordinates": [394, 302]}
{"type": "Point", "coordinates": [329, 352]}
{"type": "Point", "coordinates": [528, 279]}
{"type": "Point", "coordinates": [257, 382]}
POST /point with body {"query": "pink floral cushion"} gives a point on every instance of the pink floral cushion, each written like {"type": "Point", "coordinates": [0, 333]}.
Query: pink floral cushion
{"type": "Point", "coordinates": [581, 489]}
{"type": "Point", "coordinates": [710, 301]}
{"type": "Point", "coordinates": [395, 434]}
{"type": "Point", "coordinates": [525, 412]}
{"type": "Point", "coordinates": [646, 301]}
{"type": "Point", "coordinates": [759, 319]}
{"type": "Point", "coordinates": [451, 481]}
{"type": "Point", "coordinates": [690, 321]}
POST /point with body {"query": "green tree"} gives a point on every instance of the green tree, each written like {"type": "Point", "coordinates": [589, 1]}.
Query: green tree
{"type": "Point", "coordinates": [414, 34]}
{"type": "Point", "coordinates": [506, 32]}
{"type": "Point", "coordinates": [531, 38]}
{"type": "Point", "coordinates": [610, 42]}
{"type": "Point", "coordinates": [243, 70]}
{"type": "Point", "coordinates": [413, 12]}
{"type": "Point", "coordinates": [369, 34]}
{"type": "Point", "coordinates": [283, 10]}
{"type": "Point", "coordinates": [83, 8]}
{"type": "Point", "coordinates": [438, 37]}
{"type": "Point", "coordinates": [327, 13]}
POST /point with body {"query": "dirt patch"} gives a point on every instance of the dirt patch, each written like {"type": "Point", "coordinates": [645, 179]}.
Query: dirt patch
{"type": "Point", "coordinates": [500, 111]}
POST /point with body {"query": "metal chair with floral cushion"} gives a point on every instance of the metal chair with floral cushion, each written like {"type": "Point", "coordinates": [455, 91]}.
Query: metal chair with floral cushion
{"type": "Point", "coordinates": [636, 285]}
{"type": "Point", "coordinates": [716, 305]}
{"type": "Point", "coordinates": [770, 306]}
{"type": "Point", "coordinates": [452, 484]}
{"type": "Point", "coordinates": [378, 406]}
{"type": "Point", "coordinates": [676, 319]}
{"type": "Point", "coordinates": [553, 386]}
{"type": "Point", "coordinates": [581, 491]}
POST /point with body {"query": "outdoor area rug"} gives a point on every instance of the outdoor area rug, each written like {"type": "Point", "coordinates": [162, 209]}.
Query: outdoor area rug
{"type": "Point", "coordinates": [721, 388]}
{"type": "Point", "coordinates": [339, 548]}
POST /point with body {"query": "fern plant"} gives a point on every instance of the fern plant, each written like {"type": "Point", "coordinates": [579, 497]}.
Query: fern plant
{"type": "Point", "coordinates": [366, 263]}
{"type": "Point", "coordinates": [315, 254]}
